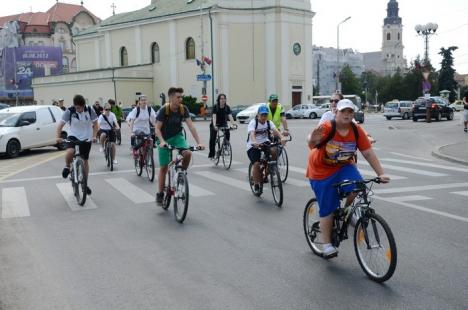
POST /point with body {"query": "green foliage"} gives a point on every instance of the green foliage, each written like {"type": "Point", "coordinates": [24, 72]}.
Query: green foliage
{"type": "Point", "coordinates": [446, 77]}
{"type": "Point", "coordinates": [192, 104]}
{"type": "Point", "coordinates": [350, 84]}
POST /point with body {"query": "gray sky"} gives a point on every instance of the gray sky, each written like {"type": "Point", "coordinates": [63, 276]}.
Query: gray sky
{"type": "Point", "coordinates": [362, 32]}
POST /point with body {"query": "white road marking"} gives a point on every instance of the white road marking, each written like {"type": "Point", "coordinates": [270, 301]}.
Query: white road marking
{"type": "Point", "coordinates": [373, 174]}
{"type": "Point", "coordinates": [418, 188]}
{"type": "Point", "coordinates": [445, 167]}
{"type": "Point", "coordinates": [297, 169]}
{"type": "Point", "coordinates": [463, 193]}
{"type": "Point", "coordinates": [408, 198]}
{"type": "Point", "coordinates": [409, 170]}
{"type": "Point", "coordinates": [410, 156]}
{"type": "Point", "coordinates": [67, 193]}
{"type": "Point", "coordinates": [132, 192]}
{"type": "Point", "coordinates": [14, 203]}
{"type": "Point", "coordinates": [197, 191]}
{"type": "Point", "coordinates": [289, 180]}
{"type": "Point", "coordinates": [244, 185]}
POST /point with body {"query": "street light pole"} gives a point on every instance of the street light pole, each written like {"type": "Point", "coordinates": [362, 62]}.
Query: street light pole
{"type": "Point", "coordinates": [338, 67]}
{"type": "Point", "coordinates": [425, 31]}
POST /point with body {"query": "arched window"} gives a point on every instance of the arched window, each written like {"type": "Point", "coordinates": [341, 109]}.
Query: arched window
{"type": "Point", "coordinates": [155, 53]}
{"type": "Point", "coordinates": [190, 49]}
{"type": "Point", "coordinates": [123, 57]}
{"type": "Point", "coordinates": [65, 67]}
{"type": "Point", "coordinates": [388, 36]}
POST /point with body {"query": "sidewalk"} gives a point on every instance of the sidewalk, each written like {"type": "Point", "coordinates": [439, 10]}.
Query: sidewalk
{"type": "Point", "coordinates": [457, 152]}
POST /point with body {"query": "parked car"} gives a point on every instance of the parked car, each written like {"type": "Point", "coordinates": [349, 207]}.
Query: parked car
{"type": "Point", "coordinates": [4, 106]}
{"type": "Point", "coordinates": [395, 108]}
{"type": "Point", "coordinates": [457, 105]}
{"type": "Point", "coordinates": [236, 109]}
{"type": "Point", "coordinates": [248, 114]}
{"type": "Point", "coordinates": [440, 109]}
{"type": "Point", "coordinates": [358, 115]}
{"type": "Point", "coordinates": [307, 111]}
{"type": "Point", "coordinates": [27, 127]}
{"type": "Point", "coordinates": [125, 112]}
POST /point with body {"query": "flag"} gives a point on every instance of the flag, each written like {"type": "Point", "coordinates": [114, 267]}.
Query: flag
{"type": "Point", "coordinates": [207, 60]}
{"type": "Point", "coordinates": [198, 62]}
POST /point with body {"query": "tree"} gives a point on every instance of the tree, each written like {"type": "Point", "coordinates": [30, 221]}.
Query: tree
{"type": "Point", "coordinates": [350, 84]}
{"type": "Point", "coordinates": [446, 78]}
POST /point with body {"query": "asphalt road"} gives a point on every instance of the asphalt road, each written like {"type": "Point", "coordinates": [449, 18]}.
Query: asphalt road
{"type": "Point", "coordinates": [234, 251]}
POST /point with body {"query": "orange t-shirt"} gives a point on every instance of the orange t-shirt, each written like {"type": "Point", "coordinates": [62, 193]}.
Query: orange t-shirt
{"type": "Point", "coordinates": [339, 151]}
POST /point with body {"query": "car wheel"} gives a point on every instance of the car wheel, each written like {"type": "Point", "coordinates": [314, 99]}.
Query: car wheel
{"type": "Point", "coordinates": [388, 118]}
{"type": "Point", "coordinates": [450, 116]}
{"type": "Point", "coordinates": [313, 115]}
{"type": "Point", "coordinates": [438, 116]}
{"type": "Point", "coordinates": [415, 119]}
{"type": "Point", "coordinates": [13, 148]}
{"type": "Point", "coordinates": [288, 116]}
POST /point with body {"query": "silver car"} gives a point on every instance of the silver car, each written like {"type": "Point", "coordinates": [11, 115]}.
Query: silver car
{"type": "Point", "coordinates": [395, 108]}
{"type": "Point", "coordinates": [307, 111]}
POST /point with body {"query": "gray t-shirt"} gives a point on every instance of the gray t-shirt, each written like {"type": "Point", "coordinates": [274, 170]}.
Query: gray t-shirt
{"type": "Point", "coordinates": [81, 124]}
{"type": "Point", "coordinates": [172, 123]}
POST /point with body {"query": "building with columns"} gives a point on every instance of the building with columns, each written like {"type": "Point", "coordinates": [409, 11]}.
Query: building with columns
{"type": "Point", "coordinates": [257, 47]}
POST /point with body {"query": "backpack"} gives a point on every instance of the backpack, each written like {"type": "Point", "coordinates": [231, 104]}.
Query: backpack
{"type": "Point", "coordinates": [73, 112]}
{"type": "Point", "coordinates": [332, 134]}
{"type": "Point", "coordinates": [256, 126]}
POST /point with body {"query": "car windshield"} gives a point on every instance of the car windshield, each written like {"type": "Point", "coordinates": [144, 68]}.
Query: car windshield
{"type": "Point", "coordinates": [391, 105]}
{"type": "Point", "coordinates": [9, 119]}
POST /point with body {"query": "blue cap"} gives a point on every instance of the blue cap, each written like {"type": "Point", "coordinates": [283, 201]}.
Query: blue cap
{"type": "Point", "coordinates": [263, 109]}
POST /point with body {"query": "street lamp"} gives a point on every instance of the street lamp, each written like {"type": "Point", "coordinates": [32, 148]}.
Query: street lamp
{"type": "Point", "coordinates": [425, 31]}
{"type": "Point", "coordinates": [337, 73]}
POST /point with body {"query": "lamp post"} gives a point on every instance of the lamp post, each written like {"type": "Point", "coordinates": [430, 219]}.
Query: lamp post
{"type": "Point", "coordinates": [338, 67]}
{"type": "Point", "coordinates": [425, 31]}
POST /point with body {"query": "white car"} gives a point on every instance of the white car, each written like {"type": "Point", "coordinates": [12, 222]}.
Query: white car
{"type": "Point", "coordinates": [457, 105]}
{"type": "Point", "coordinates": [27, 127]}
{"type": "Point", "coordinates": [245, 116]}
{"type": "Point", "coordinates": [307, 111]}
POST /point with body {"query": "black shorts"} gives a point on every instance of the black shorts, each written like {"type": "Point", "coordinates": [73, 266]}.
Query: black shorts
{"type": "Point", "coordinates": [109, 133]}
{"type": "Point", "coordinates": [85, 147]}
{"type": "Point", "coordinates": [254, 154]}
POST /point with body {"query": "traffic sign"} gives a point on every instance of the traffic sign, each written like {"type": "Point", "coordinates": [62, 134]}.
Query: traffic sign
{"type": "Point", "coordinates": [204, 98]}
{"type": "Point", "coordinates": [203, 77]}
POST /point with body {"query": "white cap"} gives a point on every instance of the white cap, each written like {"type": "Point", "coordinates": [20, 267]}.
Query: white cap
{"type": "Point", "coordinates": [345, 104]}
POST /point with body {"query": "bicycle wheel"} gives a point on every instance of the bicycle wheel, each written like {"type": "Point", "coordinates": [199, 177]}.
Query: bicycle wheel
{"type": "Point", "coordinates": [167, 192]}
{"type": "Point", "coordinates": [149, 164]}
{"type": "Point", "coordinates": [375, 247]}
{"type": "Point", "coordinates": [80, 193]}
{"type": "Point", "coordinates": [311, 223]}
{"type": "Point", "coordinates": [118, 137]}
{"type": "Point", "coordinates": [276, 185]}
{"type": "Point", "coordinates": [252, 184]}
{"type": "Point", "coordinates": [226, 153]}
{"type": "Point", "coordinates": [283, 164]}
{"type": "Point", "coordinates": [181, 198]}
{"type": "Point", "coordinates": [138, 163]}
{"type": "Point", "coordinates": [110, 163]}
{"type": "Point", "coordinates": [217, 151]}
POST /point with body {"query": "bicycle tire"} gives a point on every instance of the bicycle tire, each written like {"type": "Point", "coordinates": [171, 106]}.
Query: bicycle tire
{"type": "Point", "coordinates": [82, 182]}
{"type": "Point", "coordinates": [118, 138]}
{"type": "Point", "coordinates": [226, 152]}
{"type": "Point", "coordinates": [363, 238]}
{"type": "Point", "coordinates": [137, 163]}
{"type": "Point", "coordinates": [110, 162]}
{"type": "Point", "coordinates": [181, 194]}
{"type": "Point", "coordinates": [276, 185]}
{"type": "Point", "coordinates": [283, 164]}
{"type": "Point", "coordinates": [252, 184]}
{"type": "Point", "coordinates": [310, 223]}
{"type": "Point", "coordinates": [149, 164]}
{"type": "Point", "coordinates": [217, 151]}
{"type": "Point", "coordinates": [167, 191]}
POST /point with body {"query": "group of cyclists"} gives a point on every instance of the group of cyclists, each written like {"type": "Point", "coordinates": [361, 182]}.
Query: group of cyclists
{"type": "Point", "coordinates": [332, 144]}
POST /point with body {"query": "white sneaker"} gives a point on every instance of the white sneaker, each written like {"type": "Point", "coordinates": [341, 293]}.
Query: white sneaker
{"type": "Point", "coordinates": [329, 251]}
{"type": "Point", "coordinates": [115, 162]}
{"type": "Point", "coordinates": [101, 149]}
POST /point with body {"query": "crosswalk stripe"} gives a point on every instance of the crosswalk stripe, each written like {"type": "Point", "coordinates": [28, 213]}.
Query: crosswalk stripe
{"type": "Point", "coordinates": [408, 198]}
{"type": "Point", "coordinates": [66, 190]}
{"type": "Point", "coordinates": [14, 203]}
{"type": "Point", "coordinates": [418, 188]}
{"type": "Point", "coordinates": [197, 191]}
{"type": "Point", "coordinates": [244, 185]}
{"type": "Point", "coordinates": [289, 180]}
{"type": "Point", "coordinates": [204, 154]}
{"type": "Point", "coordinates": [463, 193]}
{"type": "Point", "coordinates": [445, 167]}
{"type": "Point", "coordinates": [410, 156]}
{"type": "Point", "coordinates": [409, 170]}
{"type": "Point", "coordinates": [373, 174]}
{"type": "Point", "coordinates": [297, 169]}
{"type": "Point", "coordinates": [132, 192]}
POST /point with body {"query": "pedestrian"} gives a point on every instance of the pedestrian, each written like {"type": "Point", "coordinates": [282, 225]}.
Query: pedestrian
{"type": "Point", "coordinates": [465, 110]}
{"type": "Point", "coordinates": [97, 108]}
{"type": "Point", "coordinates": [117, 110]}
{"type": "Point", "coordinates": [60, 105]}
{"type": "Point", "coordinates": [428, 110]}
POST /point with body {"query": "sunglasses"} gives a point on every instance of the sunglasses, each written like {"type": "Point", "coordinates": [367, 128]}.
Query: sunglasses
{"type": "Point", "coordinates": [106, 109]}
{"type": "Point", "coordinates": [334, 100]}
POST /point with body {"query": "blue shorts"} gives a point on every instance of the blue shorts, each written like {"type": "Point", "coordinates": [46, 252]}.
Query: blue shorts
{"type": "Point", "coordinates": [327, 195]}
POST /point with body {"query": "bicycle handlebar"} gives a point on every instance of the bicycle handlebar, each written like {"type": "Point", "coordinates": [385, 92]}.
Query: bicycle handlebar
{"type": "Point", "coordinates": [365, 181]}
{"type": "Point", "coordinates": [181, 149]}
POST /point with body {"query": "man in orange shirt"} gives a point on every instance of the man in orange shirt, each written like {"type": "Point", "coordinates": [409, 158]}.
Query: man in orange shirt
{"type": "Point", "coordinates": [333, 161]}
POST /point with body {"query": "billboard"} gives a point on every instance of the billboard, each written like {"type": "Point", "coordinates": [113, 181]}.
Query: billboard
{"type": "Point", "coordinates": [20, 65]}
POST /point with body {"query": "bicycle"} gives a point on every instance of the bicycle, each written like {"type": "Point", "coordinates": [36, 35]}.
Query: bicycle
{"type": "Point", "coordinates": [283, 162]}
{"type": "Point", "coordinates": [108, 147]}
{"type": "Point", "coordinates": [144, 156]}
{"type": "Point", "coordinates": [268, 167]}
{"type": "Point", "coordinates": [118, 136]}
{"type": "Point", "coordinates": [77, 176]}
{"type": "Point", "coordinates": [373, 238]}
{"type": "Point", "coordinates": [223, 147]}
{"type": "Point", "coordinates": [177, 185]}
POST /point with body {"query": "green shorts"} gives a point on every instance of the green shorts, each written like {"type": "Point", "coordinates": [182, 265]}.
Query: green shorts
{"type": "Point", "coordinates": [164, 154]}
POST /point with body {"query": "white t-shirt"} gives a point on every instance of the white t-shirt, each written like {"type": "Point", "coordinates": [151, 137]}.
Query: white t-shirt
{"type": "Point", "coordinates": [81, 124]}
{"type": "Point", "coordinates": [141, 123]}
{"type": "Point", "coordinates": [261, 133]}
{"type": "Point", "coordinates": [103, 124]}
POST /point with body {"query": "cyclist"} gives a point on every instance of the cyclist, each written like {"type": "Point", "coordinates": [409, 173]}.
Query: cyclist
{"type": "Point", "coordinates": [276, 114]}
{"type": "Point", "coordinates": [83, 128]}
{"type": "Point", "coordinates": [107, 125]}
{"type": "Point", "coordinates": [221, 116]}
{"type": "Point", "coordinates": [333, 146]}
{"type": "Point", "coordinates": [168, 129]}
{"type": "Point", "coordinates": [117, 111]}
{"type": "Point", "coordinates": [259, 131]}
{"type": "Point", "coordinates": [141, 118]}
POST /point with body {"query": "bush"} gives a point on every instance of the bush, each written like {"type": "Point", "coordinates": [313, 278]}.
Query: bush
{"type": "Point", "coordinates": [192, 104]}
{"type": "Point", "coordinates": [156, 107]}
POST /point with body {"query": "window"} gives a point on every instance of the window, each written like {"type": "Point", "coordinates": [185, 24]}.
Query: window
{"type": "Point", "coordinates": [190, 49]}
{"type": "Point", "coordinates": [65, 67]}
{"type": "Point", "coordinates": [155, 53]}
{"type": "Point", "coordinates": [388, 36]}
{"type": "Point", "coordinates": [28, 116]}
{"type": "Point", "coordinates": [123, 57]}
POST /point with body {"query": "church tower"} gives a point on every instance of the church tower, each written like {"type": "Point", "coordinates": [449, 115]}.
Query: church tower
{"type": "Point", "coordinates": [392, 40]}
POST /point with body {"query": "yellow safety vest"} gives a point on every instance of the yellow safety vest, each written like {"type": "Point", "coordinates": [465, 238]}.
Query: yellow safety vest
{"type": "Point", "coordinates": [276, 119]}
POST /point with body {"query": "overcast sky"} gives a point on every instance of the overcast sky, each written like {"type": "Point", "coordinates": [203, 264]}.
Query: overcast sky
{"type": "Point", "coordinates": [362, 32]}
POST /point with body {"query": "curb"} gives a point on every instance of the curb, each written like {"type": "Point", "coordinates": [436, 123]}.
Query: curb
{"type": "Point", "coordinates": [438, 154]}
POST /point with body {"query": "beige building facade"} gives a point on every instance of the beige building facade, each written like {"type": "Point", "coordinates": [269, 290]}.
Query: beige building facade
{"type": "Point", "coordinates": [257, 47]}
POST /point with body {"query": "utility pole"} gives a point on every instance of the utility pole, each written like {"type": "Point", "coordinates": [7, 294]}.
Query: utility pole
{"type": "Point", "coordinates": [203, 67]}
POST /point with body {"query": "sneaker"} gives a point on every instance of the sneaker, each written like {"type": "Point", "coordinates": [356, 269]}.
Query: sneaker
{"type": "Point", "coordinates": [329, 251]}
{"type": "Point", "coordinates": [101, 149]}
{"type": "Point", "coordinates": [115, 162]}
{"type": "Point", "coordinates": [65, 172]}
{"type": "Point", "coordinates": [88, 190]}
{"type": "Point", "coordinates": [159, 199]}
